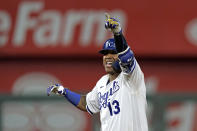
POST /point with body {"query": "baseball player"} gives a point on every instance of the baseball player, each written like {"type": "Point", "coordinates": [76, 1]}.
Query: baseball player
{"type": "Point", "coordinates": [120, 95]}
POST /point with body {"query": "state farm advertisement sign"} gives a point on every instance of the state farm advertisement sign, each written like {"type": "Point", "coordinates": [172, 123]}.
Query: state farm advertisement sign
{"type": "Point", "coordinates": [48, 27]}
{"type": "Point", "coordinates": [42, 27]}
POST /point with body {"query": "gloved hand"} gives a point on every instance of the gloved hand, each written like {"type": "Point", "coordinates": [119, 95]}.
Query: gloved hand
{"type": "Point", "coordinates": [112, 24]}
{"type": "Point", "coordinates": [56, 89]}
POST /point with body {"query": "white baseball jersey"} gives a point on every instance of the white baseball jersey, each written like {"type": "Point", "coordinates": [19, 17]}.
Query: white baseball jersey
{"type": "Point", "coordinates": [122, 102]}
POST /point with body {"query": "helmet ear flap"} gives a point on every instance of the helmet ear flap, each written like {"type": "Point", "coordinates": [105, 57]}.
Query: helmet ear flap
{"type": "Point", "coordinates": [116, 66]}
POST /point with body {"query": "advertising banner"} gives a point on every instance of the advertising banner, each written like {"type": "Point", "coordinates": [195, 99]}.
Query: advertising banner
{"type": "Point", "coordinates": [65, 28]}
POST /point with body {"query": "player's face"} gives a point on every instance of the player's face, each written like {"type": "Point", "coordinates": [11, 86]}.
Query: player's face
{"type": "Point", "coordinates": [108, 60]}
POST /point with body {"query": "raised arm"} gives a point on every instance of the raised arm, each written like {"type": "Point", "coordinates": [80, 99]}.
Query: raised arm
{"type": "Point", "coordinates": [121, 43]}
{"type": "Point", "coordinates": [76, 99]}
{"type": "Point", "coordinates": [125, 55]}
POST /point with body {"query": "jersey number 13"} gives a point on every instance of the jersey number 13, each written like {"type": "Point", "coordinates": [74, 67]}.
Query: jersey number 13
{"type": "Point", "coordinates": [116, 108]}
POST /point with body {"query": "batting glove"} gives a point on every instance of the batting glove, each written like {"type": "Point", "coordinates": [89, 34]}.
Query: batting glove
{"type": "Point", "coordinates": [56, 89]}
{"type": "Point", "coordinates": [113, 24]}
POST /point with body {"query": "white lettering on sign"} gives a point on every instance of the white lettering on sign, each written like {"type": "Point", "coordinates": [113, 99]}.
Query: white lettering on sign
{"type": "Point", "coordinates": [5, 24]}
{"type": "Point", "coordinates": [88, 21]}
{"type": "Point", "coordinates": [72, 19]}
{"type": "Point", "coordinates": [47, 33]}
{"type": "Point", "coordinates": [25, 22]}
{"type": "Point", "coordinates": [52, 27]}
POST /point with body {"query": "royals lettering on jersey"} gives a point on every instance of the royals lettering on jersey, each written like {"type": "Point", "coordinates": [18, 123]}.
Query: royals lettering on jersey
{"type": "Point", "coordinates": [106, 96]}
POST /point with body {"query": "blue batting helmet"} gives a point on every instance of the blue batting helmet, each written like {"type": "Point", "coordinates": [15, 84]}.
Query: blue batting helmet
{"type": "Point", "coordinates": [109, 46]}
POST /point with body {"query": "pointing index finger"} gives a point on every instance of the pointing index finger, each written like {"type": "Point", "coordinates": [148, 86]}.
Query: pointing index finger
{"type": "Point", "coordinates": [107, 16]}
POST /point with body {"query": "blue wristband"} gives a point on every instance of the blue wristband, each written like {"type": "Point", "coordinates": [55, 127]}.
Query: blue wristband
{"type": "Point", "coordinates": [73, 97]}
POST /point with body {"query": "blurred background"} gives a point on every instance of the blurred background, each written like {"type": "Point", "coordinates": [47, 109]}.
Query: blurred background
{"type": "Point", "coordinates": [56, 41]}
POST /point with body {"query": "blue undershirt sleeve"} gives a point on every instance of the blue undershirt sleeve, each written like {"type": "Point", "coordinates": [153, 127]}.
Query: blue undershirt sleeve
{"type": "Point", "coordinates": [72, 97]}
